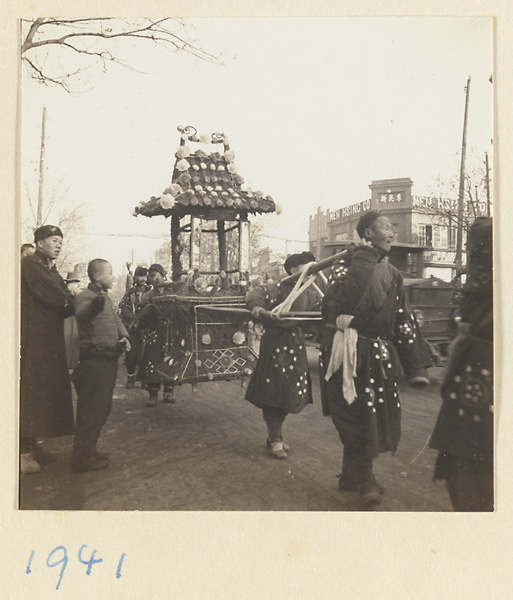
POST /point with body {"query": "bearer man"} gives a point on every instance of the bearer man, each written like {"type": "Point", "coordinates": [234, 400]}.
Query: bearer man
{"type": "Point", "coordinates": [369, 328]}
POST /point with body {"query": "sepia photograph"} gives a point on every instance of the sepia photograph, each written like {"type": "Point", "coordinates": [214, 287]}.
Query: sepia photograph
{"type": "Point", "coordinates": [256, 264]}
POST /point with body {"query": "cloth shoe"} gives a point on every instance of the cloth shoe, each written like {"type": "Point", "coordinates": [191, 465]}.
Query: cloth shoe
{"type": "Point", "coordinates": [286, 447]}
{"type": "Point", "coordinates": [346, 485]}
{"type": "Point", "coordinates": [130, 382]}
{"type": "Point", "coordinates": [93, 464]}
{"type": "Point", "coordinates": [277, 451]}
{"type": "Point", "coordinates": [28, 464]}
{"type": "Point", "coordinates": [42, 455]}
{"type": "Point", "coordinates": [168, 398]}
{"type": "Point", "coordinates": [152, 400]}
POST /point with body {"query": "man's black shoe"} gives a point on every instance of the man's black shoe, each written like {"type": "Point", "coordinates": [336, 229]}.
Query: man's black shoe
{"type": "Point", "coordinates": [93, 464]}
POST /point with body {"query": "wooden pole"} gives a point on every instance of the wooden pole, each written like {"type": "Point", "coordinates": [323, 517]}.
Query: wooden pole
{"type": "Point", "coordinates": [459, 230]}
{"type": "Point", "coordinates": [221, 241]}
{"type": "Point", "coordinates": [39, 218]}
{"type": "Point", "coordinates": [176, 262]}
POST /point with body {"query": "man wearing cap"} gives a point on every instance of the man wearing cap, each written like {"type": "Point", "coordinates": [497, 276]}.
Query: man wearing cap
{"type": "Point", "coordinates": [46, 408]}
{"type": "Point", "coordinates": [129, 309]}
{"type": "Point", "coordinates": [152, 332]}
{"type": "Point", "coordinates": [370, 330]}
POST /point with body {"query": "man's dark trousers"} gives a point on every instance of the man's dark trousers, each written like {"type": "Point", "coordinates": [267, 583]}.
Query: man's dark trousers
{"type": "Point", "coordinates": [94, 380]}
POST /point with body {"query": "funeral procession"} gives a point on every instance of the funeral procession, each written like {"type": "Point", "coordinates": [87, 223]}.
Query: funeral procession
{"type": "Point", "coordinates": [214, 347]}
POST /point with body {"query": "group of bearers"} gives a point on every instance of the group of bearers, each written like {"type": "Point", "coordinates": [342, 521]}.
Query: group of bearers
{"type": "Point", "coordinates": [369, 332]}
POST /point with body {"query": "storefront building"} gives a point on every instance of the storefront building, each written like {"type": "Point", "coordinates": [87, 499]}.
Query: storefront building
{"type": "Point", "coordinates": [419, 223]}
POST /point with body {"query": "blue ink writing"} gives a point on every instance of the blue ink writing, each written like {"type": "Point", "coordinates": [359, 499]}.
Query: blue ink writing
{"type": "Point", "coordinates": [89, 562]}
{"type": "Point", "coordinates": [29, 570]}
{"type": "Point", "coordinates": [63, 560]}
{"type": "Point", "coordinates": [121, 559]}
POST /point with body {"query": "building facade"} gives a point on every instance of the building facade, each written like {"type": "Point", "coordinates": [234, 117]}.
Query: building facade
{"type": "Point", "coordinates": [418, 222]}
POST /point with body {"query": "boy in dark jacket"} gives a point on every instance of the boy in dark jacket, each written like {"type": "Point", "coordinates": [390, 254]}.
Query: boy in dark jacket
{"type": "Point", "coordinates": [103, 338]}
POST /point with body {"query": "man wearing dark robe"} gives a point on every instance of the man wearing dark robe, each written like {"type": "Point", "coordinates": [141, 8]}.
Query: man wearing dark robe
{"type": "Point", "coordinates": [45, 389]}
{"type": "Point", "coordinates": [129, 309]}
{"type": "Point", "coordinates": [369, 331]}
{"type": "Point", "coordinates": [464, 429]}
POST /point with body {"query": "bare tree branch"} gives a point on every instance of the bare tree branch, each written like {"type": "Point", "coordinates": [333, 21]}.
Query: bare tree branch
{"type": "Point", "coordinates": [83, 35]}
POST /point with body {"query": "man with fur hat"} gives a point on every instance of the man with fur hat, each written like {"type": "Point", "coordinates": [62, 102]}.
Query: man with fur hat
{"type": "Point", "coordinates": [45, 389]}
{"type": "Point", "coordinates": [280, 383]}
{"type": "Point", "coordinates": [369, 330]}
{"type": "Point", "coordinates": [129, 309]}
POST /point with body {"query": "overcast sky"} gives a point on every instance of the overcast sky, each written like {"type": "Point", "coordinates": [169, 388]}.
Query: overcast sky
{"type": "Point", "coordinates": [315, 109]}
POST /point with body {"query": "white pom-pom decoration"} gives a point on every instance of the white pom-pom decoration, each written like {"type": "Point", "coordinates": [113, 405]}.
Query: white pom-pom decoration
{"type": "Point", "coordinates": [229, 155]}
{"type": "Point", "coordinates": [183, 152]}
{"type": "Point", "coordinates": [212, 167]}
{"type": "Point", "coordinates": [221, 168]}
{"type": "Point", "coordinates": [167, 201]}
{"type": "Point", "coordinates": [182, 165]}
{"type": "Point", "coordinates": [203, 165]}
{"type": "Point", "coordinates": [195, 167]}
{"type": "Point", "coordinates": [134, 212]}
{"type": "Point", "coordinates": [174, 189]}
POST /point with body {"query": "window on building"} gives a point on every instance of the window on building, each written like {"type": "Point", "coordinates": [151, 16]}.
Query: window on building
{"type": "Point", "coordinates": [440, 237]}
{"type": "Point", "coordinates": [395, 229]}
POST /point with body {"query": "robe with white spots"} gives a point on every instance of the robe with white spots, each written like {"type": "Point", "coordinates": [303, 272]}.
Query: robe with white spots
{"type": "Point", "coordinates": [365, 285]}
{"type": "Point", "coordinates": [281, 378]}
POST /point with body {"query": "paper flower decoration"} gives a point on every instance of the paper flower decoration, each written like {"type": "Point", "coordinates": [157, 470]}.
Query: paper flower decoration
{"type": "Point", "coordinates": [174, 189]}
{"type": "Point", "coordinates": [194, 201]}
{"type": "Point", "coordinates": [238, 179]}
{"type": "Point", "coordinates": [209, 188]}
{"type": "Point", "coordinates": [230, 190]}
{"type": "Point", "coordinates": [253, 204]}
{"type": "Point", "coordinates": [230, 202]}
{"type": "Point", "coordinates": [221, 168]}
{"type": "Point", "coordinates": [232, 168]}
{"type": "Point", "coordinates": [214, 193]}
{"type": "Point", "coordinates": [206, 340]}
{"type": "Point", "coordinates": [224, 193]}
{"type": "Point", "coordinates": [259, 194]}
{"type": "Point", "coordinates": [219, 188]}
{"type": "Point", "coordinates": [198, 188]}
{"type": "Point", "coordinates": [182, 165]}
{"type": "Point", "coordinates": [207, 201]}
{"type": "Point", "coordinates": [278, 208]}
{"type": "Point", "coordinates": [239, 337]}
{"type": "Point", "coordinates": [134, 212]}
{"type": "Point", "coordinates": [229, 155]}
{"type": "Point", "coordinates": [203, 165]}
{"type": "Point", "coordinates": [205, 138]}
{"type": "Point", "coordinates": [183, 152]}
{"type": "Point", "coordinates": [201, 154]}
{"type": "Point", "coordinates": [212, 167]}
{"type": "Point", "coordinates": [167, 201]}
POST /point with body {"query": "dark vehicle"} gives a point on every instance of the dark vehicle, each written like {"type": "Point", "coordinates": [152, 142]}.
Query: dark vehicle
{"type": "Point", "coordinates": [433, 304]}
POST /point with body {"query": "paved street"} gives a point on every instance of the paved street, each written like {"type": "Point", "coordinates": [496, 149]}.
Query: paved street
{"type": "Point", "coordinates": [207, 452]}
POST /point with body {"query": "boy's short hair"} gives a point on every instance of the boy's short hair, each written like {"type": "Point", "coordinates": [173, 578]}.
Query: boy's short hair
{"type": "Point", "coordinates": [26, 247]}
{"type": "Point", "coordinates": [95, 266]}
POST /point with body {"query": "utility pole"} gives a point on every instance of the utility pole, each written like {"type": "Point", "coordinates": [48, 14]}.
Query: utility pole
{"type": "Point", "coordinates": [39, 218]}
{"type": "Point", "coordinates": [459, 231]}
{"type": "Point", "coordinates": [488, 212]}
